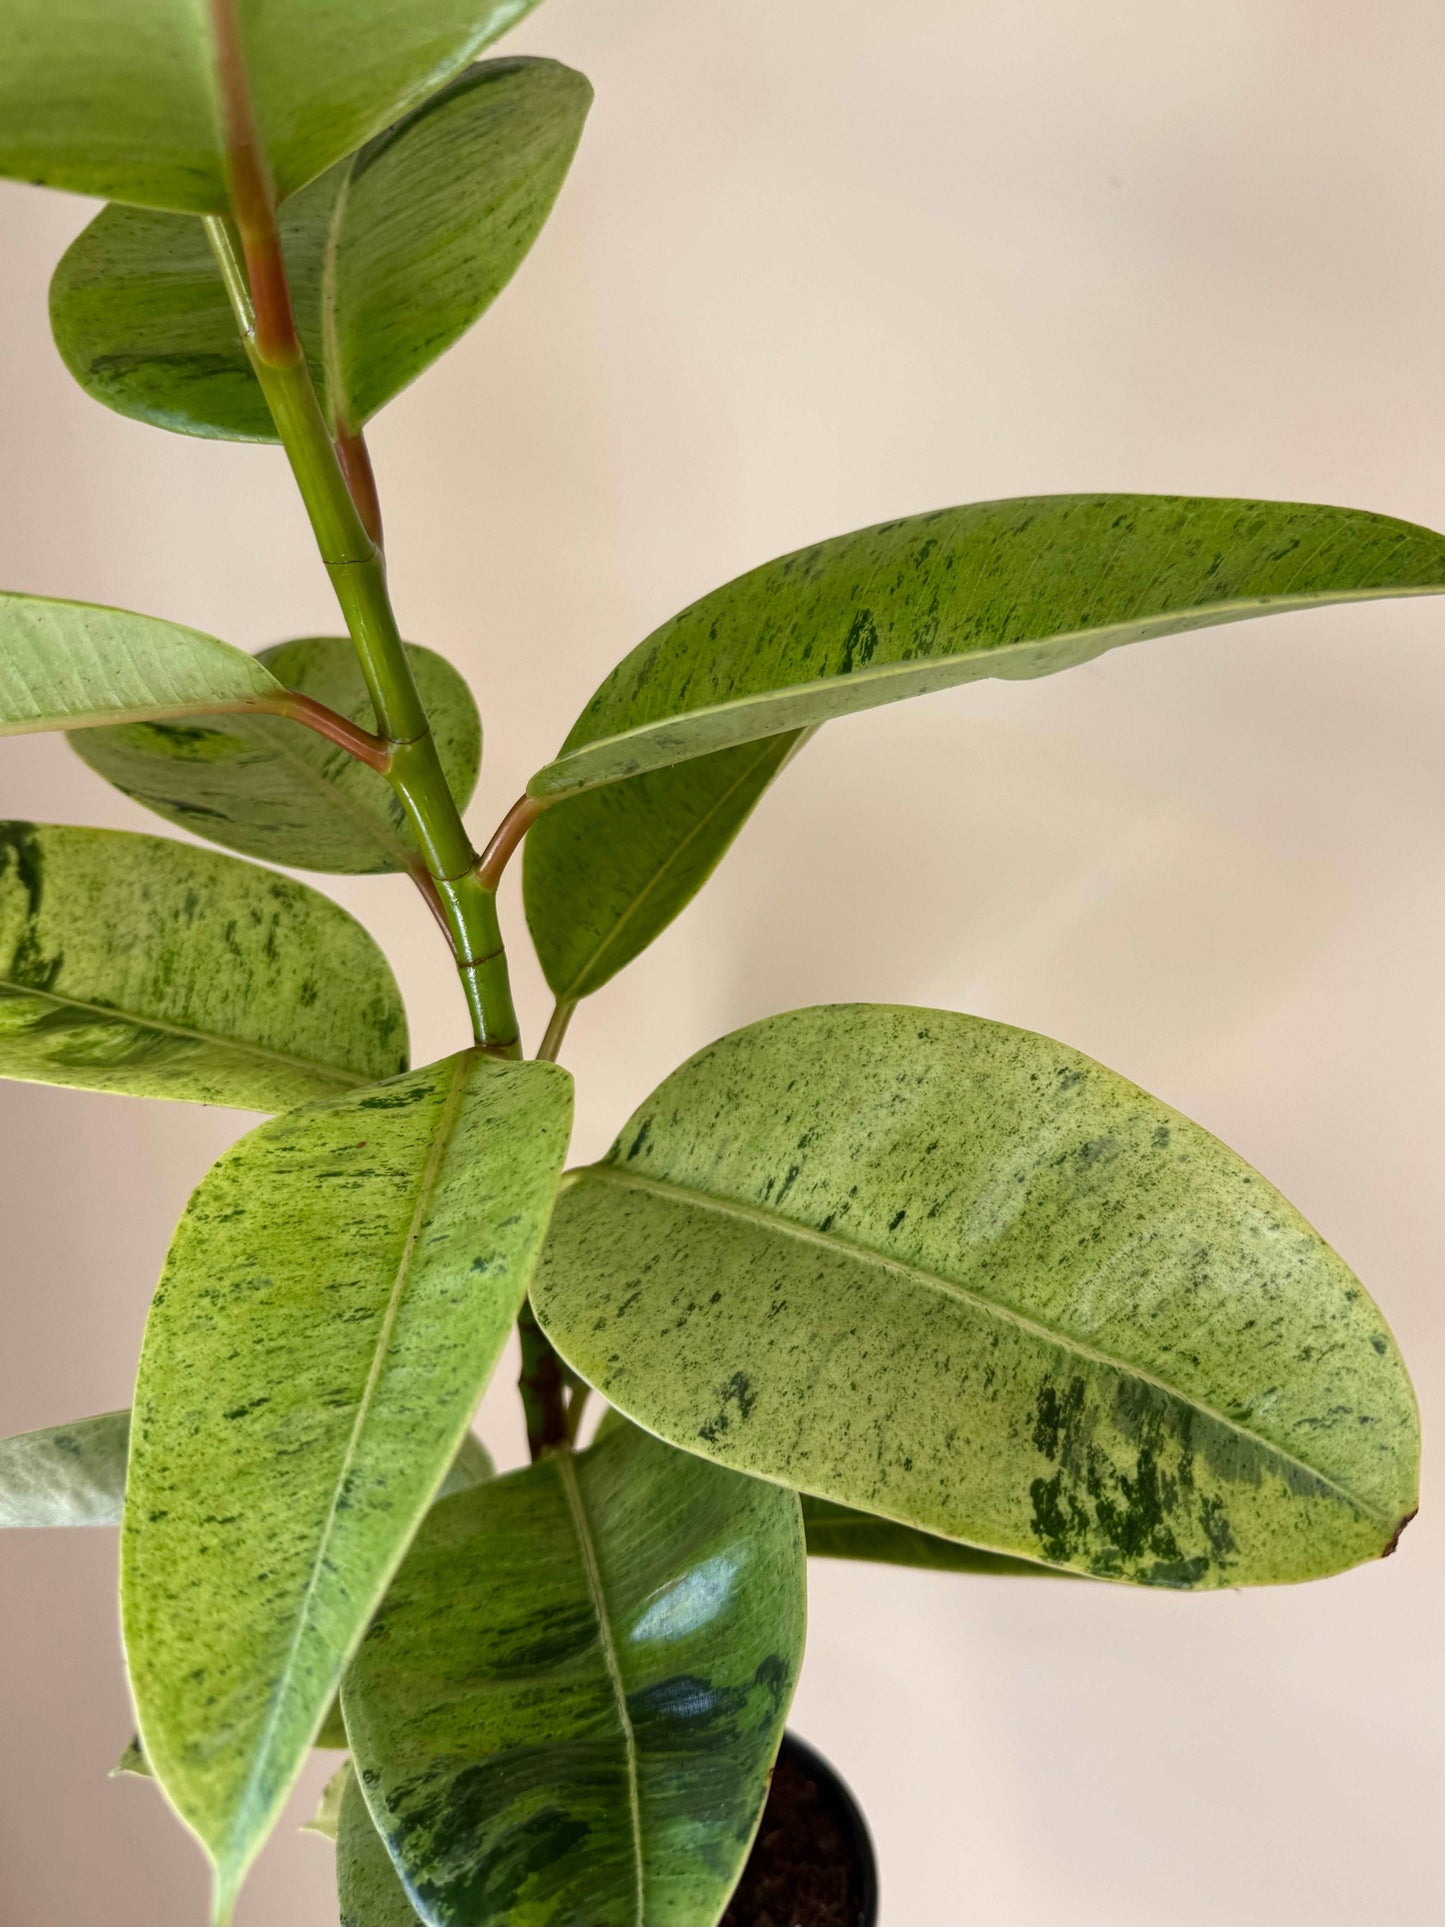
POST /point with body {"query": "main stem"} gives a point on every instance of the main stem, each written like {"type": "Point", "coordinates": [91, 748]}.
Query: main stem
{"type": "Point", "coordinates": [358, 575]}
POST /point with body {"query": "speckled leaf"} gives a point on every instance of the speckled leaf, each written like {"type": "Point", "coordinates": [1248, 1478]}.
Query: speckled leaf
{"type": "Point", "coordinates": [963, 1277]}
{"type": "Point", "coordinates": [607, 871]}
{"type": "Point", "coordinates": [367, 1885]}
{"type": "Point", "coordinates": [69, 665]}
{"type": "Point", "coordinates": [65, 1475]}
{"type": "Point", "coordinates": [272, 788]}
{"type": "Point", "coordinates": [392, 255]}
{"type": "Point", "coordinates": [571, 1699]}
{"type": "Point", "coordinates": [1018, 589]}
{"type": "Point", "coordinates": [134, 964]}
{"type": "Point", "coordinates": [122, 100]}
{"type": "Point", "coordinates": [334, 1300]}
{"type": "Point", "coordinates": [838, 1532]}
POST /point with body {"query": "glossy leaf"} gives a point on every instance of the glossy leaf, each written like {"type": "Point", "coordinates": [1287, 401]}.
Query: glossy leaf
{"type": "Point", "coordinates": [124, 101]}
{"type": "Point", "coordinates": [367, 1884]}
{"type": "Point", "coordinates": [334, 1300]}
{"type": "Point", "coordinates": [274, 789]}
{"type": "Point", "coordinates": [607, 871]}
{"type": "Point", "coordinates": [571, 1699]}
{"type": "Point", "coordinates": [963, 1277]}
{"type": "Point", "coordinates": [69, 665]}
{"type": "Point", "coordinates": [392, 255]}
{"type": "Point", "coordinates": [65, 1475]}
{"type": "Point", "coordinates": [1017, 589]}
{"type": "Point", "coordinates": [134, 964]}
{"type": "Point", "coordinates": [838, 1532]}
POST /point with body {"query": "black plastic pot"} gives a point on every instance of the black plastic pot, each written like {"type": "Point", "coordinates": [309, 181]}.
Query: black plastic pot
{"type": "Point", "coordinates": [812, 1863]}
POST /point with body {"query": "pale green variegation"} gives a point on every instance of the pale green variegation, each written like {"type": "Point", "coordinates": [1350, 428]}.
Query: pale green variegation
{"type": "Point", "coordinates": [124, 101]}
{"type": "Point", "coordinates": [65, 1475]}
{"type": "Point", "coordinates": [334, 1300]}
{"type": "Point", "coordinates": [607, 871]}
{"type": "Point", "coordinates": [270, 787]}
{"type": "Point", "coordinates": [327, 1818]}
{"type": "Point", "coordinates": [392, 255]}
{"type": "Point", "coordinates": [367, 1884]}
{"type": "Point", "coordinates": [570, 1701]}
{"type": "Point", "coordinates": [70, 665]}
{"type": "Point", "coordinates": [134, 964]}
{"type": "Point", "coordinates": [964, 1277]}
{"type": "Point", "coordinates": [838, 1532]}
{"type": "Point", "coordinates": [1018, 589]}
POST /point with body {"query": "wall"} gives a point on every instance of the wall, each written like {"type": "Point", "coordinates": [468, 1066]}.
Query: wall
{"type": "Point", "coordinates": [820, 264]}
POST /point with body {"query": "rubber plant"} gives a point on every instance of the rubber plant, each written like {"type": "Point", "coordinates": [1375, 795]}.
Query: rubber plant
{"type": "Point", "coordinates": [871, 1281]}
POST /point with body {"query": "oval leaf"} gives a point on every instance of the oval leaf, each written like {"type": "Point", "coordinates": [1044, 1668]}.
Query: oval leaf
{"type": "Point", "coordinates": [367, 1885]}
{"type": "Point", "coordinates": [69, 665]}
{"type": "Point", "coordinates": [1016, 589]}
{"type": "Point", "coordinates": [962, 1276]}
{"type": "Point", "coordinates": [334, 1300]}
{"type": "Point", "coordinates": [272, 788]}
{"type": "Point", "coordinates": [66, 1475]}
{"type": "Point", "coordinates": [606, 872]}
{"type": "Point", "coordinates": [838, 1532]}
{"type": "Point", "coordinates": [134, 964]}
{"type": "Point", "coordinates": [573, 1695]}
{"type": "Point", "coordinates": [392, 255]}
{"type": "Point", "coordinates": [124, 102]}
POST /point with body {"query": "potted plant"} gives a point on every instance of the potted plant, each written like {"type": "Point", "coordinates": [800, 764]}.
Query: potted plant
{"type": "Point", "coordinates": [854, 1281]}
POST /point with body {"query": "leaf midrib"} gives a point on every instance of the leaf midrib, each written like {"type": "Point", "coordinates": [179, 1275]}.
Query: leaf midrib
{"type": "Point", "coordinates": [949, 1288]}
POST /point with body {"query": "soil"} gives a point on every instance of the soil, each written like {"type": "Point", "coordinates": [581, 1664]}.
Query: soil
{"type": "Point", "coordinates": [803, 1870]}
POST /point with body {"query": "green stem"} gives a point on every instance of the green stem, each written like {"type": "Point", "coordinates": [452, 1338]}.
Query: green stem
{"type": "Point", "coordinates": [358, 576]}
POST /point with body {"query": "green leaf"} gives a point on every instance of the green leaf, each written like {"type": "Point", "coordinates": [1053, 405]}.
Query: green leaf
{"type": "Point", "coordinates": [69, 665]}
{"type": "Point", "coordinates": [367, 1885]}
{"type": "Point", "coordinates": [272, 788]}
{"type": "Point", "coordinates": [392, 255]}
{"type": "Point", "coordinates": [963, 1277]}
{"type": "Point", "coordinates": [134, 964]}
{"type": "Point", "coordinates": [607, 871]}
{"type": "Point", "coordinates": [125, 101]}
{"type": "Point", "coordinates": [1016, 589]}
{"type": "Point", "coordinates": [66, 1475]}
{"type": "Point", "coordinates": [133, 1762]}
{"type": "Point", "coordinates": [334, 1300]}
{"type": "Point", "coordinates": [327, 1818]}
{"type": "Point", "coordinates": [570, 1702]}
{"type": "Point", "coordinates": [472, 1464]}
{"type": "Point", "coordinates": [838, 1532]}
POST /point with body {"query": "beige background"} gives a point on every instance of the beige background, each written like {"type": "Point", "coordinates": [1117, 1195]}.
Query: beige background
{"type": "Point", "coordinates": [821, 263]}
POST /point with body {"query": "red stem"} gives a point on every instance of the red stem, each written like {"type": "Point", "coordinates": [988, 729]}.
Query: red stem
{"type": "Point", "coordinates": [253, 201]}
{"type": "Point", "coordinates": [375, 751]}
{"type": "Point", "coordinates": [509, 833]}
{"type": "Point", "coordinates": [355, 460]}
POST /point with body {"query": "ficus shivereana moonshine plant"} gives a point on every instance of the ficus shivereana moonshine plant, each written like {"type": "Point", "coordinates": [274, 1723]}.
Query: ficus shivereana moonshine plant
{"type": "Point", "coordinates": [855, 1281]}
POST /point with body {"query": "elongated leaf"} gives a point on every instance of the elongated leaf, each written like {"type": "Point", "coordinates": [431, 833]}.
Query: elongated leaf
{"type": "Point", "coordinates": [1016, 589]}
{"type": "Point", "coordinates": [68, 665]}
{"type": "Point", "coordinates": [965, 1278]}
{"type": "Point", "coordinates": [66, 1475]}
{"type": "Point", "coordinates": [134, 964]}
{"type": "Point", "coordinates": [123, 100]}
{"type": "Point", "coordinates": [838, 1532]}
{"type": "Point", "coordinates": [392, 255]}
{"type": "Point", "coordinates": [272, 788]}
{"type": "Point", "coordinates": [572, 1697]}
{"type": "Point", "coordinates": [334, 1300]}
{"type": "Point", "coordinates": [607, 871]}
{"type": "Point", "coordinates": [368, 1886]}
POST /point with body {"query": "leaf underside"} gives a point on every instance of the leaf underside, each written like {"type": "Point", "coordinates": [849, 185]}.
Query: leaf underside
{"type": "Point", "coordinates": [65, 1475]}
{"type": "Point", "coordinates": [960, 1276]}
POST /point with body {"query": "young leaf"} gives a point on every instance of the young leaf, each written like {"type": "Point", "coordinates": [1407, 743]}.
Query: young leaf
{"type": "Point", "coordinates": [392, 254]}
{"type": "Point", "coordinates": [70, 665]}
{"type": "Point", "coordinates": [66, 1475]}
{"type": "Point", "coordinates": [127, 101]}
{"type": "Point", "coordinates": [571, 1700]}
{"type": "Point", "coordinates": [607, 871]}
{"type": "Point", "coordinates": [334, 1300]}
{"type": "Point", "coordinates": [272, 788]}
{"type": "Point", "coordinates": [838, 1532]}
{"type": "Point", "coordinates": [367, 1884]}
{"type": "Point", "coordinates": [134, 964]}
{"type": "Point", "coordinates": [963, 1277]}
{"type": "Point", "coordinates": [1016, 589]}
